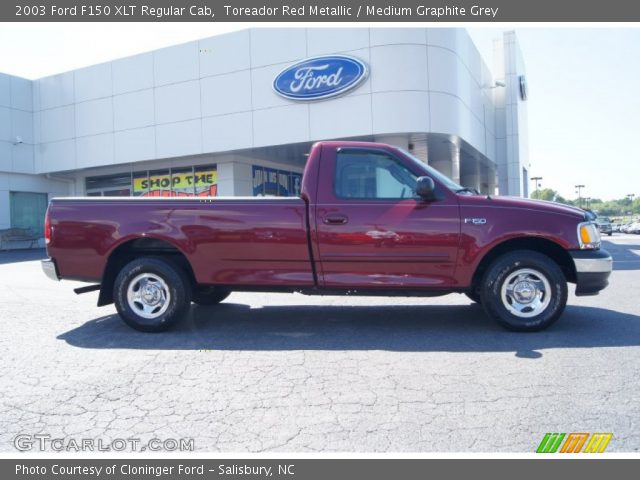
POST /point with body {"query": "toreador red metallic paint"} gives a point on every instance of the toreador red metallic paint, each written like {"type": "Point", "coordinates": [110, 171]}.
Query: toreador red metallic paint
{"type": "Point", "coordinates": [316, 241]}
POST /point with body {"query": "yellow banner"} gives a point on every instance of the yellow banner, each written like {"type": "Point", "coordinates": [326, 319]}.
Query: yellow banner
{"type": "Point", "coordinates": [177, 181]}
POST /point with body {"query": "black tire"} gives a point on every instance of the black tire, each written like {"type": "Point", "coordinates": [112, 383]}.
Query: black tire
{"type": "Point", "coordinates": [165, 280]}
{"type": "Point", "coordinates": [610, 233]}
{"type": "Point", "coordinates": [474, 296]}
{"type": "Point", "coordinates": [209, 295]}
{"type": "Point", "coordinates": [534, 295]}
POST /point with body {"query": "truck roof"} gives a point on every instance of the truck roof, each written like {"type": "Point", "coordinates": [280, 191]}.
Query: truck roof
{"type": "Point", "coordinates": [351, 143]}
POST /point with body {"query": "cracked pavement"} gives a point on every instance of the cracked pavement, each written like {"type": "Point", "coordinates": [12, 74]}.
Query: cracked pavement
{"type": "Point", "coordinates": [289, 373]}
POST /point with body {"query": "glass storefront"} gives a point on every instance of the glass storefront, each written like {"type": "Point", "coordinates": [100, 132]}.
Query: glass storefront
{"type": "Point", "coordinates": [200, 181]}
{"type": "Point", "coordinates": [111, 186]}
{"type": "Point", "coordinates": [279, 183]}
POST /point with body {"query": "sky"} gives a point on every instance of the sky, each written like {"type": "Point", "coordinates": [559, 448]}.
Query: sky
{"type": "Point", "coordinates": [584, 91]}
{"type": "Point", "coordinates": [583, 106]}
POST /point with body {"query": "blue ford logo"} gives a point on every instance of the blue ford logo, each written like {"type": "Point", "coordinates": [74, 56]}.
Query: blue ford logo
{"type": "Point", "coordinates": [320, 77]}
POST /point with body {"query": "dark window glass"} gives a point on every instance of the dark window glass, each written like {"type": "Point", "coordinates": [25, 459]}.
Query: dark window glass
{"type": "Point", "coordinates": [96, 185]}
{"type": "Point", "coordinates": [372, 175]}
{"type": "Point", "coordinates": [258, 180]}
{"type": "Point", "coordinates": [27, 210]}
{"type": "Point", "coordinates": [124, 192]}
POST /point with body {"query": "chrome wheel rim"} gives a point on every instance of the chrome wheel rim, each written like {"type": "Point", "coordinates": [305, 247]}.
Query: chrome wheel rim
{"type": "Point", "coordinates": [526, 293]}
{"type": "Point", "coordinates": [148, 296]}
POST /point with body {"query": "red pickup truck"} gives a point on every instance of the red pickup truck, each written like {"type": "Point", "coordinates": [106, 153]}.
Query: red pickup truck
{"type": "Point", "coordinates": [371, 220]}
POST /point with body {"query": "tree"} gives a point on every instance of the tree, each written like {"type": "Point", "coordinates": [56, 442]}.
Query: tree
{"type": "Point", "coordinates": [605, 208]}
{"type": "Point", "coordinates": [545, 194]}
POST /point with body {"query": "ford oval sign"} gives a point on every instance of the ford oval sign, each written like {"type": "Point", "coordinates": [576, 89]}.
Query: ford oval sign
{"type": "Point", "coordinates": [320, 77]}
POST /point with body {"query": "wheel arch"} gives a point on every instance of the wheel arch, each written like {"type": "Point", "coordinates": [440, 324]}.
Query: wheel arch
{"type": "Point", "coordinates": [134, 248]}
{"type": "Point", "coordinates": [537, 244]}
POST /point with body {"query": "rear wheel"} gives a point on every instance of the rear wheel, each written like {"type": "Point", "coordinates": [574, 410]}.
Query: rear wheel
{"type": "Point", "coordinates": [209, 295]}
{"type": "Point", "coordinates": [151, 294]}
{"type": "Point", "coordinates": [524, 291]}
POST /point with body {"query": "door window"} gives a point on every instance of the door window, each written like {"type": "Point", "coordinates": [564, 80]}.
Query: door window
{"type": "Point", "coordinates": [371, 175]}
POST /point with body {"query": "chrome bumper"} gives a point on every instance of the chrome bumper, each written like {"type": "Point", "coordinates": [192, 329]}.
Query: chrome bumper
{"type": "Point", "coordinates": [593, 268]}
{"type": "Point", "coordinates": [598, 261]}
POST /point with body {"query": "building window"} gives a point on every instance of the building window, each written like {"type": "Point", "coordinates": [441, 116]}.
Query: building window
{"type": "Point", "coordinates": [205, 181]}
{"type": "Point", "coordinates": [175, 182]}
{"type": "Point", "coordinates": [28, 210]}
{"type": "Point", "coordinates": [140, 183]}
{"type": "Point", "coordinates": [276, 183]}
{"type": "Point", "coordinates": [181, 182]}
{"type": "Point", "coordinates": [109, 186]}
{"type": "Point", "coordinates": [159, 183]}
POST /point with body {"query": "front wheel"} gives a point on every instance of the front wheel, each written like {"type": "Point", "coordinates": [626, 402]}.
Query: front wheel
{"type": "Point", "coordinates": [524, 291]}
{"type": "Point", "coordinates": [151, 294]}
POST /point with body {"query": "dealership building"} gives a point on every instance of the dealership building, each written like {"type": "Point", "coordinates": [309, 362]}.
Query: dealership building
{"type": "Point", "coordinates": [221, 116]}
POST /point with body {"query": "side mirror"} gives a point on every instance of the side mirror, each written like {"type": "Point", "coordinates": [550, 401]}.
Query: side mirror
{"type": "Point", "coordinates": [425, 188]}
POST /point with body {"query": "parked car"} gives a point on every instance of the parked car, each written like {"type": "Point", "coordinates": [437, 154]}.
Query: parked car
{"type": "Point", "coordinates": [371, 220]}
{"type": "Point", "coordinates": [604, 225]}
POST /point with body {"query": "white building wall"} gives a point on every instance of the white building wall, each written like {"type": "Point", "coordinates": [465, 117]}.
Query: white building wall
{"type": "Point", "coordinates": [511, 118]}
{"type": "Point", "coordinates": [16, 125]}
{"type": "Point", "coordinates": [17, 143]}
{"type": "Point", "coordinates": [20, 182]}
{"type": "Point", "coordinates": [215, 95]}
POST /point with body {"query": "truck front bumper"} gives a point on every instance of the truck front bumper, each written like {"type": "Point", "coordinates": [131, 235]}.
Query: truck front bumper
{"type": "Point", "coordinates": [593, 268]}
{"type": "Point", "coordinates": [50, 269]}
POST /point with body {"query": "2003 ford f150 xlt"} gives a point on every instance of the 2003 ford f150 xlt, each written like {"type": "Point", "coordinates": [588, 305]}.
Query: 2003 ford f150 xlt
{"type": "Point", "coordinates": [371, 220]}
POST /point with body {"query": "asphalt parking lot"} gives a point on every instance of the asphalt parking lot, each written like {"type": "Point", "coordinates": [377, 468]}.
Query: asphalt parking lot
{"type": "Point", "coordinates": [277, 372]}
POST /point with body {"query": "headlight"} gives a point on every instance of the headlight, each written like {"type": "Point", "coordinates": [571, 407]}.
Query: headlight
{"type": "Point", "coordinates": [588, 236]}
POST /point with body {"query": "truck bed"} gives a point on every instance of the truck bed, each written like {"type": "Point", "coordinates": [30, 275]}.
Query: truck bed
{"type": "Point", "coordinates": [227, 240]}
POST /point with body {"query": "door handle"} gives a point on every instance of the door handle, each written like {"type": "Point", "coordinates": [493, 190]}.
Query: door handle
{"type": "Point", "coordinates": [335, 219]}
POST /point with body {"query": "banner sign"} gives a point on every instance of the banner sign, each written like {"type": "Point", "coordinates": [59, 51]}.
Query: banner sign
{"type": "Point", "coordinates": [200, 183]}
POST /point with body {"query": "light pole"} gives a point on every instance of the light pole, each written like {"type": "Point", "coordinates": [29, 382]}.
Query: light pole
{"type": "Point", "coordinates": [579, 192]}
{"type": "Point", "coordinates": [537, 184]}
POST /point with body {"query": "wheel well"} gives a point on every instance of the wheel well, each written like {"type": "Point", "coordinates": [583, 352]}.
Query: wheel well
{"type": "Point", "coordinates": [133, 249]}
{"type": "Point", "coordinates": [540, 245]}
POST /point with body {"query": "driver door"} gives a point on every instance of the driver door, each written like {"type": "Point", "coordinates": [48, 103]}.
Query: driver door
{"type": "Point", "coordinates": [374, 232]}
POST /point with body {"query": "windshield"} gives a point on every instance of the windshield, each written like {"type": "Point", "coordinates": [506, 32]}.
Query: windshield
{"type": "Point", "coordinates": [446, 181]}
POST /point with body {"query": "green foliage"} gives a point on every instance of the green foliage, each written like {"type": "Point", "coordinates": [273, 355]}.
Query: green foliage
{"type": "Point", "coordinates": [609, 208]}
{"type": "Point", "coordinates": [545, 194]}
